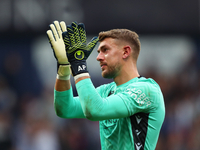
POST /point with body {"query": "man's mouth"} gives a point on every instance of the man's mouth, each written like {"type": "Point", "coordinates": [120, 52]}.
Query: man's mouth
{"type": "Point", "coordinates": [102, 65]}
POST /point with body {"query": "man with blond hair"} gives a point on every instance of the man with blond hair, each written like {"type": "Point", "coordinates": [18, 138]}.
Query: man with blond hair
{"type": "Point", "coordinates": [130, 110]}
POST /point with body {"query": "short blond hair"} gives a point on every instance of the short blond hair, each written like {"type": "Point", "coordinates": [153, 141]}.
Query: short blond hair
{"type": "Point", "coordinates": [124, 35]}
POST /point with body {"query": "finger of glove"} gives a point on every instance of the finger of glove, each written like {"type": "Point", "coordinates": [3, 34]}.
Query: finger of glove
{"type": "Point", "coordinates": [55, 33]}
{"type": "Point", "coordinates": [71, 34]}
{"type": "Point", "coordinates": [63, 26]}
{"type": "Point", "coordinates": [57, 25]}
{"type": "Point", "coordinates": [91, 46]}
{"type": "Point", "coordinates": [66, 39]}
{"type": "Point", "coordinates": [51, 37]}
{"type": "Point", "coordinates": [93, 43]}
{"type": "Point", "coordinates": [51, 41]}
{"type": "Point", "coordinates": [76, 31]}
{"type": "Point", "coordinates": [81, 28]}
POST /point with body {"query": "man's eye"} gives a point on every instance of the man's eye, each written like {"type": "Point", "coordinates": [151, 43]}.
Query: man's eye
{"type": "Point", "coordinates": [105, 49]}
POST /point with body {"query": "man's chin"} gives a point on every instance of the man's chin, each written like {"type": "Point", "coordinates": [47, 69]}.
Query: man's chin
{"type": "Point", "coordinates": [106, 75]}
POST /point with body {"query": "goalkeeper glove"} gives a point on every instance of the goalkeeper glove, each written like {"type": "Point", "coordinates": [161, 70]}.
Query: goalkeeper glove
{"type": "Point", "coordinates": [77, 49]}
{"type": "Point", "coordinates": [58, 46]}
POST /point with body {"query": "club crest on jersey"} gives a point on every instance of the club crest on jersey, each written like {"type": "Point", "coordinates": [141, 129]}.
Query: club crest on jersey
{"type": "Point", "coordinates": [79, 55]}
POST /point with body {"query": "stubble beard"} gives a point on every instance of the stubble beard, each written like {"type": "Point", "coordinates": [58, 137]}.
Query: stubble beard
{"type": "Point", "coordinates": [112, 71]}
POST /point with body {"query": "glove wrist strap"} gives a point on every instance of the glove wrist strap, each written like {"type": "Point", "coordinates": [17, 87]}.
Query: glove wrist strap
{"type": "Point", "coordinates": [78, 67]}
{"type": "Point", "coordinates": [81, 75]}
{"type": "Point", "coordinates": [64, 72]}
{"type": "Point", "coordinates": [63, 77]}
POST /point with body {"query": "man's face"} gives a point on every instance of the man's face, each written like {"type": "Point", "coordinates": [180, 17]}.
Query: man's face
{"type": "Point", "coordinates": [110, 56]}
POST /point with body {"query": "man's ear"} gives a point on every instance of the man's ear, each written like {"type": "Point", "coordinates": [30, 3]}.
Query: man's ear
{"type": "Point", "coordinates": [126, 51]}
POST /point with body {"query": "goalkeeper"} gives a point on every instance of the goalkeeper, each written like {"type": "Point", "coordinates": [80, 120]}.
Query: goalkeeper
{"type": "Point", "coordinates": [130, 110]}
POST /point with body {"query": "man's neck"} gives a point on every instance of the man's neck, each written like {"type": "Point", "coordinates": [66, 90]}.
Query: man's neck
{"type": "Point", "coordinates": [126, 75]}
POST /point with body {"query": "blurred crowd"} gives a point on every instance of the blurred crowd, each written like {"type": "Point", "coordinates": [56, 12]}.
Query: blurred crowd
{"type": "Point", "coordinates": [28, 120]}
{"type": "Point", "coordinates": [181, 130]}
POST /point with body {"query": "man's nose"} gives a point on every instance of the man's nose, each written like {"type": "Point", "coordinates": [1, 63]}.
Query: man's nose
{"type": "Point", "coordinates": [99, 57]}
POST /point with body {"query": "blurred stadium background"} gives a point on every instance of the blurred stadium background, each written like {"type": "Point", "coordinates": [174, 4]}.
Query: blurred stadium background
{"type": "Point", "coordinates": [170, 53]}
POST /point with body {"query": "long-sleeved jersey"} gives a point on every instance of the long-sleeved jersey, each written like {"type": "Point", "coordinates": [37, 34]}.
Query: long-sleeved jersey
{"type": "Point", "coordinates": [130, 115]}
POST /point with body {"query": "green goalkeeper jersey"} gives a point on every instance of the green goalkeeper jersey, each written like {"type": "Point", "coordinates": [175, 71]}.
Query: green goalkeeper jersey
{"type": "Point", "coordinates": [140, 130]}
{"type": "Point", "coordinates": [130, 115]}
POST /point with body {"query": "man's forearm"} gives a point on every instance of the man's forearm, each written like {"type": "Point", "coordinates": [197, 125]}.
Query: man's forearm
{"type": "Point", "coordinates": [66, 106]}
{"type": "Point", "coordinates": [95, 107]}
{"type": "Point", "coordinates": [62, 85]}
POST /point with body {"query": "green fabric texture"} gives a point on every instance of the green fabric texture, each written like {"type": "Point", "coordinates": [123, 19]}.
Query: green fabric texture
{"type": "Point", "coordinates": [116, 108]}
{"type": "Point", "coordinates": [67, 106]}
